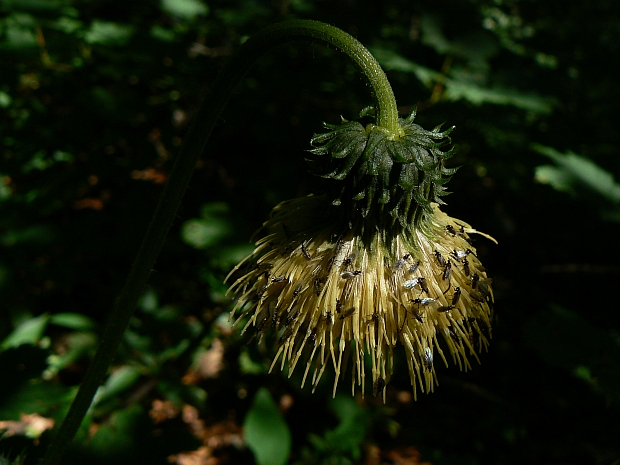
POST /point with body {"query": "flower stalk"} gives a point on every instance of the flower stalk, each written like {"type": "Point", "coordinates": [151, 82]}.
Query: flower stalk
{"type": "Point", "coordinates": [192, 149]}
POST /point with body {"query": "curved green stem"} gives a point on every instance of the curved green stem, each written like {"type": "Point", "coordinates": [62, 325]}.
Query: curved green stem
{"type": "Point", "coordinates": [193, 148]}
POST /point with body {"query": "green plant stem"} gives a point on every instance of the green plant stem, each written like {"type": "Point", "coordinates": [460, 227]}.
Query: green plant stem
{"type": "Point", "coordinates": [193, 148]}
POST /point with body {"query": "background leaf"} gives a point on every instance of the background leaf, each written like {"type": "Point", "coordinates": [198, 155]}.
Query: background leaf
{"type": "Point", "coordinates": [266, 432]}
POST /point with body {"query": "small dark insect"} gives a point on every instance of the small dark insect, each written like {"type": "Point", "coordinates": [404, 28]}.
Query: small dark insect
{"type": "Point", "coordinates": [453, 335]}
{"type": "Point", "coordinates": [458, 254]}
{"type": "Point", "coordinates": [317, 286]}
{"type": "Point", "coordinates": [290, 318]}
{"type": "Point", "coordinates": [414, 267]}
{"type": "Point", "coordinates": [279, 279]}
{"type": "Point", "coordinates": [451, 230]}
{"type": "Point", "coordinates": [339, 245]}
{"type": "Point", "coordinates": [417, 315]}
{"type": "Point", "coordinates": [260, 293]}
{"type": "Point", "coordinates": [428, 358]}
{"type": "Point", "coordinates": [338, 305]}
{"type": "Point", "coordinates": [411, 283]}
{"type": "Point", "coordinates": [348, 312]}
{"type": "Point", "coordinates": [374, 318]}
{"type": "Point", "coordinates": [287, 334]}
{"type": "Point", "coordinates": [265, 265]}
{"type": "Point", "coordinates": [440, 259]}
{"type": "Point", "coordinates": [262, 326]}
{"type": "Point", "coordinates": [312, 337]}
{"type": "Point", "coordinates": [445, 308]}
{"type": "Point", "coordinates": [328, 319]}
{"type": "Point", "coordinates": [483, 286]}
{"type": "Point", "coordinates": [475, 280]}
{"type": "Point", "coordinates": [424, 302]}
{"type": "Point", "coordinates": [476, 296]}
{"type": "Point", "coordinates": [379, 385]}
{"type": "Point", "coordinates": [423, 284]}
{"type": "Point", "coordinates": [456, 296]}
{"type": "Point", "coordinates": [347, 261]}
{"type": "Point", "coordinates": [484, 328]}
{"type": "Point", "coordinates": [305, 251]}
{"type": "Point", "coordinates": [447, 271]}
{"type": "Point", "coordinates": [297, 290]}
{"type": "Point", "coordinates": [474, 338]}
{"type": "Point", "coordinates": [400, 263]}
{"type": "Point", "coordinates": [349, 274]}
{"type": "Point", "coordinates": [466, 267]}
{"type": "Point", "coordinates": [287, 249]}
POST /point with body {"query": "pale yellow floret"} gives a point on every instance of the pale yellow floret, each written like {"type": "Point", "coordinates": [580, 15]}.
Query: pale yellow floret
{"type": "Point", "coordinates": [329, 297]}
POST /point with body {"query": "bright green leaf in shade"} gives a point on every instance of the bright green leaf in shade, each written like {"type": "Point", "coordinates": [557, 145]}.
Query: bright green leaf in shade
{"type": "Point", "coordinates": [5, 99]}
{"type": "Point", "coordinates": [28, 332]}
{"type": "Point", "coordinates": [478, 95]}
{"type": "Point", "coordinates": [208, 230]}
{"type": "Point", "coordinates": [17, 32]}
{"type": "Point", "coordinates": [35, 397]}
{"type": "Point", "coordinates": [266, 432]}
{"type": "Point", "coordinates": [108, 33]}
{"type": "Point", "coordinates": [186, 9]}
{"type": "Point", "coordinates": [76, 344]}
{"type": "Point", "coordinates": [72, 321]}
{"type": "Point", "coordinates": [115, 438]}
{"type": "Point", "coordinates": [161, 33]}
{"type": "Point", "coordinates": [31, 235]}
{"type": "Point", "coordinates": [249, 366]}
{"type": "Point", "coordinates": [33, 4]}
{"type": "Point", "coordinates": [477, 48]}
{"type": "Point", "coordinates": [149, 301]}
{"type": "Point", "coordinates": [573, 172]}
{"type": "Point", "coordinates": [67, 25]}
{"type": "Point", "coordinates": [462, 89]}
{"type": "Point", "coordinates": [393, 61]}
{"type": "Point", "coordinates": [120, 380]}
{"type": "Point", "coordinates": [350, 433]}
{"type": "Point", "coordinates": [342, 445]}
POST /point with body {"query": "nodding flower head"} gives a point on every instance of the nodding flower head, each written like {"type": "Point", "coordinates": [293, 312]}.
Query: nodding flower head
{"type": "Point", "coordinates": [369, 266]}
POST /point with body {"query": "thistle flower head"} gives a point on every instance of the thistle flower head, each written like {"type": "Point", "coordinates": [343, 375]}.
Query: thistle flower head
{"type": "Point", "coordinates": [339, 277]}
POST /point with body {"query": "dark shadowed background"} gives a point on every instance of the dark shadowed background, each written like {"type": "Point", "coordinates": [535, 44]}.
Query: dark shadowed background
{"type": "Point", "coordinates": [95, 99]}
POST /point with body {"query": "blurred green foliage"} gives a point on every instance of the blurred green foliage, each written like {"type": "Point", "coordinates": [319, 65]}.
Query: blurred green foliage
{"type": "Point", "coordinates": [95, 99]}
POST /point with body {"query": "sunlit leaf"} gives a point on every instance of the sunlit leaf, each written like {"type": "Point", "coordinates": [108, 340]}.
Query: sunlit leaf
{"type": "Point", "coordinates": [266, 432]}
{"type": "Point", "coordinates": [28, 332]}
{"type": "Point", "coordinates": [249, 366]}
{"type": "Point", "coordinates": [5, 99]}
{"type": "Point", "coordinates": [72, 321]}
{"type": "Point", "coordinates": [121, 379]}
{"type": "Point", "coordinates": [77, 344]}
{"type": "Point", "coordinates": [573, 172]}
{"type": "Point", "coordinates": [208, 230]}
{"type": "Point", "coordinates": [18, 32]}
{"type": "Point", "coordinates": [161, 33]}
{"type": "Point", "coordinates": [186, 9]}
{"type": "Point", "coordinates": [478, 95]}
{"type": "Point", "coordinates": [460, 89]}
{"type": "Point", "coordinates": [108, 33]}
